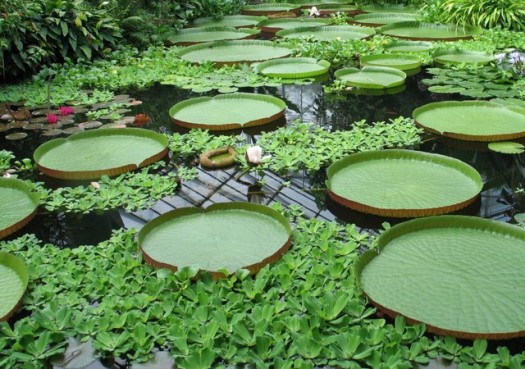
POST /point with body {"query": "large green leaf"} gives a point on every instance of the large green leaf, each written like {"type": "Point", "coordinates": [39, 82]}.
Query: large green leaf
{"type": "Point", "coordinates": [462, 56]}
{"type": "Point", "coordinates": [277, 24]}
{"type": "Point", "coordinates": [230, 111]}
{"type": "Point", "coordinates": [92, 154]}
{"type": "Point", "coordinates": [228, 20]}
{"type": "Point", "coordinates": [388, 8]}
{"type": "Point", "coordinates": [191, 36]}
{"type": "Point", "coordinates": [293, 67]}
{"type": "Point", "coordinates": [415, 30]}
{"type": "Point", "coordinates": [507, 147]}
{"type": "Point", "coordinates": [233, 52]}
{"type": "Point", "coordinates": [371, 77]}
{"type": "Point", "coordinates": [472, 120]}
{"type": "Point", "coordinates": [403, 183]}
{"type": "Point", "coordinates": [409, 64]}
{"type": "Point", "coordinates": [379, 19]}
{"type": "Point", "coordinates": [13, 283]}
{"type": "Point", "coordinates": [460, 275]}
{"type": "Point", "coordinates": [224, 236]}
{"type": "Point", "coordinates": [270, 8]}
{"type": "Point", "coordinates": [17, 205]}
{"type": "Point", "coordinates": [401, 46]}
{"type": "Point", "coordinates": [328, 33]}
{"type": "Point", "coordinates": [318, 3]}
{"type": "Point", "coordinates": [331, 9]}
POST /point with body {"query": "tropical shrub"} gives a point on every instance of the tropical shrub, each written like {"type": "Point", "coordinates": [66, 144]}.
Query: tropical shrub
{"type": "Point", "coordinates": [218, 8]}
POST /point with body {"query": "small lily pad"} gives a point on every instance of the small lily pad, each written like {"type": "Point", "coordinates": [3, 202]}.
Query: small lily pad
{"type": "Point", "coordinates": [16, 136]}
{"type": "Point", "coordinates": [507, 147]}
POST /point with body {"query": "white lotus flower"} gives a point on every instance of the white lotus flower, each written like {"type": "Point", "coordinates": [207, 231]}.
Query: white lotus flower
{"type": "Point", "coordinates": [314, 12]}
{"type": "Point", "coordinates": [254, 155]}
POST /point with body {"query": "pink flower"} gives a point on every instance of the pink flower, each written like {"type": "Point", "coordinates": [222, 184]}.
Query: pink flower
{"type": "Point", "coordinates": [52, 118]}
{"type": "Point", "coordinates": [65, 110]}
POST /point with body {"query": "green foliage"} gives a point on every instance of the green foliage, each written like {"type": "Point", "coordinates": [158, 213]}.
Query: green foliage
{"type": "Point", "coordinates": [190, 145]}
{"type": "Point", "coordinates": [508, 14]}
{"type": "Point", "coordinates": [219, 8]}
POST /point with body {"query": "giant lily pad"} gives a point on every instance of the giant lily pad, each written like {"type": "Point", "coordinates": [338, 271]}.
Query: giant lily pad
{"type": "Point", "coordinates": [318, 3]}
{"type": "Point", "coordinates": [328, 33]}
{"type": "Point", "coordinates": [429, 31]}
{"type": "Point", "coordinates": [277, 24]}
{"type": "Point", "coordinates": [371, 77]}
{"type": "Point", "coordinates": [17, 205]}
{"type": "Point", "coordinates": [13, 282]}
{"type": "Point", "coordinates": [92, 154]}
{"type": "Point", "coordinates": [380, 19]}
{"type": "Point", "coordinates": [233, 52]}
{"type": "Point", "coordinates": [293, 67]}
{"type": "Point", "coordinates": [459, 275]}
{"type": "Point", "coordinates": [227, 236]}
{"type": "Point", "coordinates": [388, 8]}
{"type": "Point", "coordinates": [472, 120]}
{"type": "Point", "coordinates": [401, 46]}
{"type": "Point", "coordinates": [270, 8]}
{"type": "Point", "coordinates": [228, 20]}
{"type": "Point", "coordinates": [229, 111]}
{"type": "Point", "coordinates": [191, 36]}
{"type": "Point", "coordinates": [462, 56]}
{"type": "Point", "coordinates": [409, 64]}
{"type": "Point", "coordinates": [331, 9]}
{"type": "Point", "coordinates": [402, 183]}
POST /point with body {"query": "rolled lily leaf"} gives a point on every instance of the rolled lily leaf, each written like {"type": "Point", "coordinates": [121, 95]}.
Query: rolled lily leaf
{"type": "Point", "coordinates": [92, 154]}
{"type": "Point", "coordinates": [218, 158]}
{"type": "Point", "coordinates": [13, 283]}
{"type": "Point", "coordinates": [227, 236]}
{"type": "Point", "coordinates": [17, 205]}
{"type": "Point", "coordinates": [461, 276]}
{"type": "Point", "coordinates": [402, 183]}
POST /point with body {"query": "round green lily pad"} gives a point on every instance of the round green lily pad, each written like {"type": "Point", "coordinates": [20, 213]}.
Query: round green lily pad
{"type": "Point", "coordinates": [92, 154]}
{"type": "Point", "coordinates": [341, 8]}
{"type": "Point", "coordinates": [17, 205]}
{"type": "Point", "coordinates": [230, 111]}
{"type": "Point", "coordinates": [192, 36]}
{"type": "Point", "coordinates": [462, 56]}
{"type": "Point", "coordinates": [401, 46]}
{"type": "Point", "coordinates": [277, 24]}
{"type": "Point", "coordinates": [269, 8]}
{"type": "Point", "coordinates": [388, 8]}
{"type": "Point", "coordinates": [472, 120]}
{"type": "Point", "coordinates": [227, 236]}
{"type": "Point", "coordinates": [328, 33]}
{"type": "Point", "coordinates": [507, 147]}
{"type": "Point", "coordinates": [409, 64]}
{"type": "Point", "coordinates": [461, 276]}
{"type": "Point", "coordinates": [13, 283]}
{"type": "Point", "coordinates": [415, 30]}
{"type": "Point", "coordinates": [228, 20]}
{"type": "Point", "coordinates": [293, 67]}
{"type": "Point", "coordinates": [402, 183]}
{"type": "Point", "coordinates": [380, 19]}
{"type": "Point", "coordinates": [371, 77]}
{"type": "Point", "coordinates": [233, 52]}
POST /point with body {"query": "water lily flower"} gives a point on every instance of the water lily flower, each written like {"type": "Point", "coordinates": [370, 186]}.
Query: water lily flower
{"type": "Point", "coordinates": [95, 184]}
{"type": "Point", "coordinates": [314, 12]}
{"type": "Point", "coordinates": [65, 110]}
{"type": "Point", "coordinates": [254, 155]}
{"type": "Point", "coordinates": [52, 118]}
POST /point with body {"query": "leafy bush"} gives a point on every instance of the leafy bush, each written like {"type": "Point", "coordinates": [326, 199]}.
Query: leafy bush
{"type": "Point", "coordinates": [508, 14]}
{"type": "Point", "coordinates": [218, 8]}
{"type": "Point", "coordinates": [47, 31]}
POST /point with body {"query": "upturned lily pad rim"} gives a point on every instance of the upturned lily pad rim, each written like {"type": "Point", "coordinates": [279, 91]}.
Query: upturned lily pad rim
{"type": "Point", "coordinates": [244, 34]}
{"type": "Point", "coordinates": [441, 55]}
{"type": "Point", "coordinates": [406, 62]}
{"type": "Point", "coordinates": [467, 136]}
{"type": "Point", "coordinates": [207, 161]}
{"type": "Point", "coordinates": [270, 63]}
{"type": "Point", "coordinates": [252, 20]}
{"type": "Point", "coordinates": [364, 19]}
{"type": "Point", "coordinates": [233, 125]}
{"type": "Point", "coordinates": [340, 73]}
{"type": "Point", "coordinates": [233, 44]}
{"type": "Point", "coordinates": [100, 133]}
{"type": "Point", "coordinates": [469, 31]}
{"type": "Point", "coordinates": [21, 186]}
{"type": "Point", "coordinates": [409, 155]}
{"type": "Point", "coordinates": [384, 8]}
{"type": "Point", "coordinates": [18, 266]}
{"type": "Point", "coordinates": [253, 268]}
{"type": "Point", "coordinates": [349, 9]}
{"type": "Point", "coordinates": [442, 221]}
{"type": "Point", "coordinates": [268, 8]}
{"type": "Point", "coordinates": [269, 25]}
{"type": "Point", "coordinates": [424, 46]}
{"type": "Point", "coordinates": [363, 32]}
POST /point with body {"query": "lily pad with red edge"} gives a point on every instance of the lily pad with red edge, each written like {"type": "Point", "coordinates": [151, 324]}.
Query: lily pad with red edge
{"type": "Point", "coordinates": [17, 205]}
{"type": "Point", "coordinates": [13, 283]}
{"type": "Point", "coordinates": [225, 236]}
{"type": "Point", "coordinates": [230, 111]}
{"type": "Point", "coordinates": [402, 183]}
{"type": "Point", "coordinates": [221, 157]}
{"type": "Point", "coordinates": [461, 276]}
{"type": "Point", "coordinates": [92, 154]}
